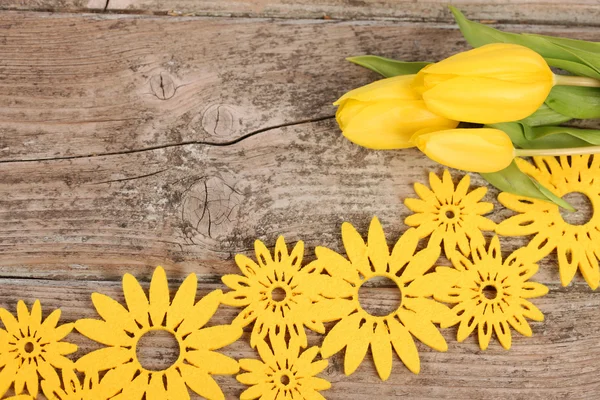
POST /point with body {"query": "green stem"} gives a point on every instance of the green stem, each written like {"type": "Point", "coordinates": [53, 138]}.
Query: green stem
{"type": "Point", "coordinates": [568, 80]}
{"type": "Point", "coordinates": [557, 152]}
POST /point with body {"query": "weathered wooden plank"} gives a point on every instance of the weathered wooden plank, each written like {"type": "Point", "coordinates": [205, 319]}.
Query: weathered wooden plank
{"type": "Point", "coordinates": [74, 85]}
{"type": "Point", "coordinates": [192, 207]}
{"type": "Point", "coordinates": [559, 361]}
{"type": "Point", "coordinates": [578, 12]}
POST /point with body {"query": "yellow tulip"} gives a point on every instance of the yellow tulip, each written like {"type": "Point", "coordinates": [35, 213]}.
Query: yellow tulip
{"type": "Point", "coordinates": [494, 83]}
{"type": "Point", "coordinates": [477, 150]}
{"type": "Point", "coordinates": [386, 113]}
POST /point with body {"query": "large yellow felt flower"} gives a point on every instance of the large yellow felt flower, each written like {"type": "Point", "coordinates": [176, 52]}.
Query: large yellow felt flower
{"type": "Point", "coordinates": [121, 330]}
{"type": "Point", "coordinates": [279, 294]}
{"type": "Point", "coordinates": [30, 349]}
{"type": "Point", "coordinates": [417, 312]}
{"type": "Point", "coordinates": [490, 295]}
{"type": "Point", "coordinates": [450, 215]}
{"type": "Point", "coordinates": [577, 246]}
{"type": "Point", "coordinates": [283, 373]}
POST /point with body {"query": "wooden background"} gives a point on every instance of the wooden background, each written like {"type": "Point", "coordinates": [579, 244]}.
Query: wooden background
{"type": "Point", "coordinates": [136, 133]}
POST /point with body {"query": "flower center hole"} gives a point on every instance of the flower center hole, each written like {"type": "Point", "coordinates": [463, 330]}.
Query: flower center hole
{"type": "Point", "coordinates": [490, 292]}
{"type": "Point", "coordinates": [285, 380]}
{"type": "Point", "coordinates": [29, 347]}
{"type": "Point", "coordinates": [278, 294]}
{"type": "Point", "coordinates": [380, 296]}
{"type": "Point", "coordinates": [450, 214]}
{"type": "Point", "coordinates": [582, 204]}
{"type": "Point", "coordinates": [157, 350]}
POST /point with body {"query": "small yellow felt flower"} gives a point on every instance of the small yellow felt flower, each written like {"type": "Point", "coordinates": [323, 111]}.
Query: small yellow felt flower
{"type": "Point", "coordinates": [279, 294]}
{"type": "Point", "coordinates": [577, 246]}
{"type": "Point", "coordinates": [121, 329]}
{"type": "Point", "coordinates": [491, 295]}
{"type": "Point", "coordinates": [283, 373]}
{"type": "Point", "coordinates": [450, 215]}
{"type": "Point", "coordinates": [358, 329]}
{"type": "Point", "coordinates": [385, 114]}
{"type": "Point", "coordinates": [30, 349]}
{"type": "Point", "coordinates": [494, 83]}
{"type": "Point", "coordinates": [476, 150]}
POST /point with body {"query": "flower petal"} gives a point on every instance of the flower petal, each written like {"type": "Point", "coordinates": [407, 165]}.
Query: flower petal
{"type": "Point", "coordinates": [423, 330]}
{"type": "Point", "coordinates": [112, 311]}
{"type": "Point", "coordinates": [214, 337]}
{"type": "Point", "coordinates": [159, 297]}
{"type": "Point", "coordinates": [201, 313]}
{"type": "Point", "coordinates": [201, 382]}
{"type": "Point", "coordinates": [102, 359]}
{"type": "Point", "coordinates": [183, 302]}
{"type": "Point", "coordinates": [136, 299]}
{"type": "Point", "coordinates": [212, 362]}
{"type": "Point", "coordinates": [382, 351]}
{"type": "Point", "coordinates": [404, 345]}
{"type": "Point", "coordinates": [340, 334]}
{"type": "Point", "coordinates": [103, 332]}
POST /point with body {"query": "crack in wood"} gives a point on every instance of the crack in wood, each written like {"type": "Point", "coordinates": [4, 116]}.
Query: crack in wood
{"type": "Point", "coordinates": [170, 145]}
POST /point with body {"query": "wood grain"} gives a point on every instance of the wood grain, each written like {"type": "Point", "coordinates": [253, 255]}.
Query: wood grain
{"type": "Point", "coordinates": [111, 84]}
{"type": "Point", "coordinates": [128, 142]}
{"type": "Point", "coordinates": [573, 12]}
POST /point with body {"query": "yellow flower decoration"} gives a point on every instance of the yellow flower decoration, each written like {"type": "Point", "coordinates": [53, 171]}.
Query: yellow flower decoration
{"type": "Point", "coordinates": [30, 349]}
{"type": "Point", "coordinates": [122, 328]}
{"type": "Point", "coordinates": [417, 312]}
{"type": "Point", "coordinates": [577, 246]}
{"type": "Point", "coordinates": [491, 295]}
{"type": "Point", "coordinates": [279, 294]}
{"type": "Point", "coordinates": [283, 373]}
{"type": "Point", "coordinates": [449, 214]}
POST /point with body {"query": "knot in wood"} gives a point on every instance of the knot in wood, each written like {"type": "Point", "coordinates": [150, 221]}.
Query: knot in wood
{"type": "Point", "coordinates": [218, 120]}
{"type": "Point", "coordinates": [211, 207]}
{"type": "Point", "coordinates": [163, 86]}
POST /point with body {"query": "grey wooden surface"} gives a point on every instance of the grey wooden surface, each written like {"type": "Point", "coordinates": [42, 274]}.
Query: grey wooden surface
{"type": "Point", "coordinates": [130, 140]}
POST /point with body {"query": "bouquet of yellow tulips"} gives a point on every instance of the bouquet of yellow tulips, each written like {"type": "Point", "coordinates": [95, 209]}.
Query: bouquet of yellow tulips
{"type": "Point", "coordinates": [505, 85]}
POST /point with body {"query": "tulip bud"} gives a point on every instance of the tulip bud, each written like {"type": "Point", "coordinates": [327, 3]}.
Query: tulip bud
{"type": "Point", "coordinates": [385, 114]}
{"type": "Point", "coordinates": [476, 150]}
{"type": "Point", "coordinates": [494, 83]}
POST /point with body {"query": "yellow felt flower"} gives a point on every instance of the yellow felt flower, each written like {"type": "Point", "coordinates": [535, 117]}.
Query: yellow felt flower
{"type": "Point", "coordinates": [476, 150]}
{"type": "Point", "coordinates": [283, 373]}
{"type": "Point", "coordinates": [30, 349]}
{"type": "Point", "coordinates": [385, 114]}
{"type": "Point", "coordinates": [491, 295]}
{"type": "Point", "coordinates": [358, 330]}
{"type": "Point", "coordinates": [449, 215]}
{"type": "Point", "coordinates": [121, 329]}
{"type": "Point", "coordinates": [577, 246]}
{"type": "Point", "coordinates": [279, 294]}
{"type": "Point", "coordinates": [498, 82]}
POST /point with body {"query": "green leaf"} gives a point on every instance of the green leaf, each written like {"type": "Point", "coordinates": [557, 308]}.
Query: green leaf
{"type": "Point", "coordinates": [579, 52]}
{"type": "Point", "coordinates": [548, 137]}
{"type": "Point", "coordinates": [573, 67]}
{"type": "Point", "coordinates": [388, 67]}
{"type": "Point", "coordinates": [545, 116]}
{"type": "Point", "coordinates": [575, 102]}
{"type": "Point", "coordinates": [588, 136]}
{"type": "Point", "coordinates": [513, 180]}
